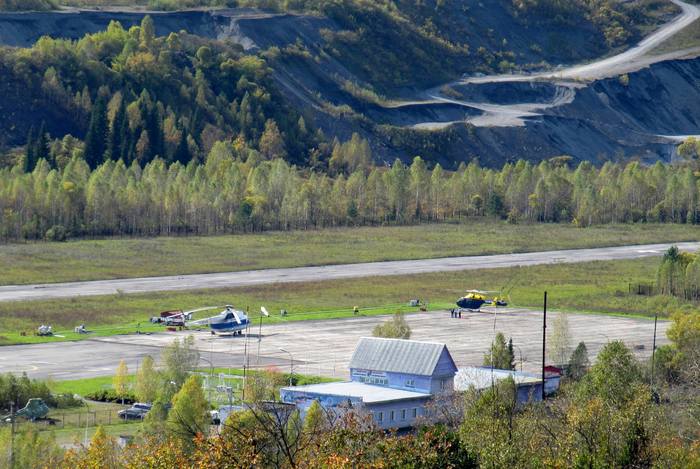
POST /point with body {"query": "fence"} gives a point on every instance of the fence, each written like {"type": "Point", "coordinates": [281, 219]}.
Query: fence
{"type": "Point", "coordinates": [81, 419]}
{"type": "Point", "coordinates": [691, 293]}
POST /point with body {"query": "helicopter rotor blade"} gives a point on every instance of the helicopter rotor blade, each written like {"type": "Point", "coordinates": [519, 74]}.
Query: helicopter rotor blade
{"type": "Point", "coordinates": [206, 308]}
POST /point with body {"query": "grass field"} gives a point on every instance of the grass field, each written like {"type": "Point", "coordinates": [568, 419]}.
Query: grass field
{"type": "Point", "coordinates": [686, 39]}
{"type": "Point", "coordinates": [121, 258]}
{"type": "Point", "coordinates": [595, 287]}
{"type": "Point", "coordinates": [83, 387]}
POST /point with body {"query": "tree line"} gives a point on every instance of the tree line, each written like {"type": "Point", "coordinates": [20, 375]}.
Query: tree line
{"type": "Point", "coordinates": [240, 189]}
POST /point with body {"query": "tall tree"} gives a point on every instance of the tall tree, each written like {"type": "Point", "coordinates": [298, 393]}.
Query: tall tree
{"type": "Point", "coordinates": [98, 132]}
{"type": "Point", "coordinates": [29, 153]}
{"type": "Point", "coordinates": [179, 358]}
{"type": "Point", "coordinates": [271, 142]}
{"type": "Point", "coordinates": [118, 135]}
{"type": "Point", "coordinates": [578, 363]}
{"type": "Point", "coordinates": [560, 340]}
{"type": "Point", "coordinates": [147, 381]}
{"type": "Point", "coordinates": [188, 416]}
{"type": "Point", "coordinates": [121, 379]}
{"type": "Point", "coordinates": [500, 355]}
{"type": "Point", "coordinates": [182, 152]}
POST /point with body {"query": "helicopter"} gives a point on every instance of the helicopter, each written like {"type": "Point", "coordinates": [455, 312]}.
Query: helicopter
{"type": "Point", "coordinates": [475, 299]}
{"type": "Point", "coordinates": [178, 318]}
{"type": "Point", "coordinates": [229, 321]}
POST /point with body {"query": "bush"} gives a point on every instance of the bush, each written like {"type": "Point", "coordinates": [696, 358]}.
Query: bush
{"type": "Point", "coordinates": [66, 401]}
{"type": "Point", "coordinates": [18, 390]}
{"type": "Point", "coordinates": [56, 233]}
{"type": "Point", "coordinates": [110, 395]}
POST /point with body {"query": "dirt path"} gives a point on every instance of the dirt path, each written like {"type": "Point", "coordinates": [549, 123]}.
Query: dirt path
{"type": "Point", "coordinates": [568, 79]}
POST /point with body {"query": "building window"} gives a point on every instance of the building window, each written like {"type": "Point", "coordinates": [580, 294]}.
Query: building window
{"type": "Point", "coordinates": [392, 416]}
{"type": "Point", "coordinates": [380, 416]}
{"type": "Point", "coordinates": [403, 414]}
{"type": "Point", "coordinates": [415, 412]}
{"type": "Point", "coordinates": [443, 384]}
{"type": "Point", "coordinates": [410, 383]}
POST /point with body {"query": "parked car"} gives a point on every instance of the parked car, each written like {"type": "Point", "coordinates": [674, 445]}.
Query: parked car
{"type": "Point", "coordinates": [136, 412]}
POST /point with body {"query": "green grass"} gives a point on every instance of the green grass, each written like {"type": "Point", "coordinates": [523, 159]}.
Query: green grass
{"type": "Point", "coordinates": [599, 287]}
{"type": "Point", "coordinates": [686, 39]}
{"type": "Point", "coordinates": [43, 262]}
{"type": "Point", "coordinates": [83, 387]}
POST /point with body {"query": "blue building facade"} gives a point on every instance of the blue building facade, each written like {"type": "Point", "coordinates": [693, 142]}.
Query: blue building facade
{"type": "Point", "coordinates": [391, 379]}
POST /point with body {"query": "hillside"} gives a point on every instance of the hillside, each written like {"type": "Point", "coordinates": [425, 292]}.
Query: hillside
{"type": "Point", "coordinates": [342, 65]}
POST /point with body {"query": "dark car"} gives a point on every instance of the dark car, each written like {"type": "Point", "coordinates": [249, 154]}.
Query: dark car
{"type": "Point", "coordinates": [136, 412]}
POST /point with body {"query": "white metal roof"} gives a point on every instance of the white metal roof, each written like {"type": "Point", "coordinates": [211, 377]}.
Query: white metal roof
{"type": "Point", "coordinates": [481, 377]}
{"type": "Point", "coordinates": [369, 394]}
{"type": "Point", "coordinates": [397, 355]}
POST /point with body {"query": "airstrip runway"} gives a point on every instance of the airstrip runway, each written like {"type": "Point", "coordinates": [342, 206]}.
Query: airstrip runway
{"type": "Point", "coordinates": [324, 347]}
{"type": "Point", "coordinates": [329, 272]}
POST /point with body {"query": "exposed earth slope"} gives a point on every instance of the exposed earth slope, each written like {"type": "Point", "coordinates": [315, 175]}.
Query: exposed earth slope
{"type": "Point", "coordinates": [349, 78]}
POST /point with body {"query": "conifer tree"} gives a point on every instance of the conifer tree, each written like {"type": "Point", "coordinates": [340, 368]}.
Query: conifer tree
{"type": "Point", "coordinates": [117, 133]}
{"type": "Point", "coordinates": [182, 152]}
{"type": "Point", "coordinates": [29, 155]}
{"type": "Point", "coordinates": [96, 139]}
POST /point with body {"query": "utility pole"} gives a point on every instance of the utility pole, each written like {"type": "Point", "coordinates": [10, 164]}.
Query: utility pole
{"type": "Point", "coordinates": [653, 352]}
{"type": "Point", "coordinates": [544, 342]}
{"type": "Point", "coordinates": [12, 435]}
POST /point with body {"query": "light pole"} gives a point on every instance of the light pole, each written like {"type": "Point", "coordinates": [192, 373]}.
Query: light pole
{"type": "Point", "coordinates": [291, 364]}
{"type": "Point", "coordinates": [263, 314]}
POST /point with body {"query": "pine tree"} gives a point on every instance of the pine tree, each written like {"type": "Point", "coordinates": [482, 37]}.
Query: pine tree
{"type": "Point", "coordinates": [96, 139]}
{"type": "Point", "coordinates": [501, 354]}
{"type": "Point", "coordinates": [578, 363]}
{"type": "Point", "coordinates": [29, 156]}
{"type": "Point", "coordinates": [41, 144]}
{"type": "Point", "coordinates": [182, 152]}
{"type": "Point", "coordinates": [148, 32]}
{"type": "Point", "coordinates": [117, 134]}
{"type": "Point", "coordinates": [271, 142]}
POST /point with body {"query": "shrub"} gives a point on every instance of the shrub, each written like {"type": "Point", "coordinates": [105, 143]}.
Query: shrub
{"type": "Point", "coordinates": [110, 395]}
{"type": "Point", "coordinates": [56, 233]}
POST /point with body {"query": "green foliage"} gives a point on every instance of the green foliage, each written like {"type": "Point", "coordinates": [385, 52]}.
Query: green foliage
{"type": "Point", "coordinates": [189, 416]}
{"type": "Point", "coordinates": [110, 395]}
{"type": "Point", "coordinates": [614, 377]}
{"type": "Point", "coordinates": [133, 95]}
{"type": "Point", "coordinates": [501, 355]}
{"type": "Point", "coordinates": [180, 358]}
{"type": "Point", "coordinates": [147, 381]}
{"type": "Point", "coordinates": [16, 391]}
{"type": "Point", "coordinates": [578, 363]}
{"type": "Point", "coordinates": [394, 328]}
{"type": "Point", "coordinates": [675, 271]}
{"type": "Point", "coordinates": [32, 449]}
{"type": "Point", "coordinates": [252, 193]}
{"type": "Point", "coordinates": [490, 426]}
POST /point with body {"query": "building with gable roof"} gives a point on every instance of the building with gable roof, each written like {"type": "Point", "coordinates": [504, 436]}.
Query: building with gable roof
{"type": "Point", "coordinates": [392, 379]}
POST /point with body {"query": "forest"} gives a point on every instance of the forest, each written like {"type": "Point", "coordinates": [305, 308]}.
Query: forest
{"type": "Point", "coordinates": [130, 95]}
{"type": "Point", "coordinates": [239, 189]}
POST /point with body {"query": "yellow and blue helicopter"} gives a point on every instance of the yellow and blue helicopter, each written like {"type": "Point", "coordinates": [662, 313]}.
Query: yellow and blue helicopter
{"type": "Point", "coordinates": [475, 299]}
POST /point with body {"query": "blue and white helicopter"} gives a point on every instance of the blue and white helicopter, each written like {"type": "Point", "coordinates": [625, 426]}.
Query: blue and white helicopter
{"type": "Point", "coordinates": [229, 321]}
